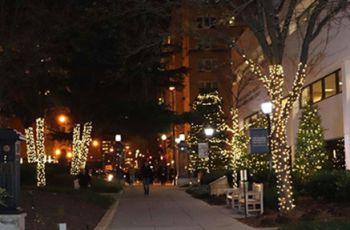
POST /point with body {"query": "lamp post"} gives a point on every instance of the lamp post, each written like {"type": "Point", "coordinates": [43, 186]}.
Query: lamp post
{"type": "Point", "coordinates": [209, 132]}
{"type": "Point", "coordinates": [267, 110]}
{"type": "Point", "coordinates": [173, 107]}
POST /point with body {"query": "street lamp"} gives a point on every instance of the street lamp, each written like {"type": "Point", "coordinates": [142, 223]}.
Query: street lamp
{"type": "Point", "coordinates": [62, 119]}
{"type": "Point", "coordinates": [182, 137]}
{"type": "Point", "coordinates": [209, 132]}
{"type": "Point", "coordinates": [267, 110]}
{"type": "Point", "coordinates": [95, 143]}
{"type": "Point", "coordinates": [118, 137]}
{"type": "Point", "coordinates": [163, 137]}
{"type": "Point", "coordinates": [173, 140]}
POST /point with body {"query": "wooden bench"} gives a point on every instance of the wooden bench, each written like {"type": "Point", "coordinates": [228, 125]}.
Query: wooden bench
{"type": "Point", "coordinates": [253, 200]}
{"type": "Point", "coordinates": [233, 196]}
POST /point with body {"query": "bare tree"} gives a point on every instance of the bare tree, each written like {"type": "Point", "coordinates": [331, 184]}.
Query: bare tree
{"type": "Point", "coordinates": [271, 21]}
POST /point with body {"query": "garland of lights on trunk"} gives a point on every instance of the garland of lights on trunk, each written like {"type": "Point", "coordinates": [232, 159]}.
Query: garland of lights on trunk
{"type": "Point", "coordinates": [41, 156]}
{"type": "Point", "coordinates": [239, 145]}
{"type": "Point", "coordinates": [80, 147]}
{"type": "Point", "coordinates": [85, 143]}
{"type": "Point", "coordinates": [74, 170]}
{"type": "Point", "coordinates": [30, 144]}
{"type": "Point", "coordinates": [281, 152]}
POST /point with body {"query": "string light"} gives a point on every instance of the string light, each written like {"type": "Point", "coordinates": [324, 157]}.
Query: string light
{"type": "Point", "coordinates": [209, 107]}
{"type": "Point", "coordinates": [85, 143]}
{"type": "Point", "coordinates": [41, 156]}
{"type": "Point", "coordinates": [80, 147]}
{"type": "Point", "coordinates": [75, 150]}
{"type": "Point", "coordinates": [31, 152]}
{"type": "Point", "coordinates": [238, 145]}
{"type": "Point", "coordinates": [311, 152]}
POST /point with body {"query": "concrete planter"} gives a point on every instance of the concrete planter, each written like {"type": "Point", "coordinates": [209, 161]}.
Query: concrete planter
{"type": "Point", "coordinates": [12, 221]}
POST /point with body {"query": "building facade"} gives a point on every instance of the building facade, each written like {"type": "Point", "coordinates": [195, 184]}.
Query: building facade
{"type": "Point", "coordinates": [204, 32]}
{"type": "Point", "coordinates": [327, 83]}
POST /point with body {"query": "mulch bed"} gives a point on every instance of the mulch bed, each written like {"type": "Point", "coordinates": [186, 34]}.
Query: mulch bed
{"type": "Point", "coordinates": [307, 209]}
{"type": "Point", "coordinates": [46, 209]}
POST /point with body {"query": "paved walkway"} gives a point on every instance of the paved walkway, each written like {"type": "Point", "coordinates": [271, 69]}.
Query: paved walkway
{"type": "Point", "coordinates": [168, 208]}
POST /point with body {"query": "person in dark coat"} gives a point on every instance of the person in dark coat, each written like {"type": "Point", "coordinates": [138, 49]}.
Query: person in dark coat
{"type": "Point", "coordinates": [146, 174]}
{"type": "Point", "coordinates": [84, 178]}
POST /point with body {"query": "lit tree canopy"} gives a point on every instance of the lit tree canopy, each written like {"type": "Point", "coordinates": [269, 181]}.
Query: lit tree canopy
{"type": "Point", "coordinates": [207, 108]}
{"type": "Point", "coordinates": [311, 155]}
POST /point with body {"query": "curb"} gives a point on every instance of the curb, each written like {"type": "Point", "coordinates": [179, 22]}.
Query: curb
{"type": "Point", "coordinates": [108, 216]}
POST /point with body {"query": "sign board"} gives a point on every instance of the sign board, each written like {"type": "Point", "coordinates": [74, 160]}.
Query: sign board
{"type": "Point", "coordinates": [258, 140]}
{"type": "Point", "coordinates": [203, 150]}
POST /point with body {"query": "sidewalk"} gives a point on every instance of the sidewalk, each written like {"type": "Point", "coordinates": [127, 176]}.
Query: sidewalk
{"type": "Point", "coordinates": [169, 208]}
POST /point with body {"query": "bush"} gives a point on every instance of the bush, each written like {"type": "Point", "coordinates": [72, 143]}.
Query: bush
{"type": "Point", "coordinates": [200, 191]}
{"type": "Point", "coordinates": [270, 196]}
{"type": "Point", "coordinates": [28, 174]}
{"type": "Point", "coordinates": [329, 186]}
{"type": "Point", "coordinates": [56, 175]}
{"type": "Point", "coordinates": [98, 184]}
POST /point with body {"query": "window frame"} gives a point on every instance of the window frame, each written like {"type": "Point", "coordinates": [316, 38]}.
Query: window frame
{"type": "Point", "coordinates": [323, 88]}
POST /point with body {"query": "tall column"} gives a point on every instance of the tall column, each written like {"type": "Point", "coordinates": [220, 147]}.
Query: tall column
{"type": "Point", "coordinates": [346, 110]}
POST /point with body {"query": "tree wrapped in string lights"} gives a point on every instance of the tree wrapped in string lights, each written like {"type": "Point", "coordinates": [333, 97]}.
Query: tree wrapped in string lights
{"type": "Point", "coordinates": [36, 150]}
{"type": "Point", "coordinates": [207, 108]}
{"type": "Point", "coordinates": [270, 22]}
{"type": "Point", "coordinates": [239, 146]}
{"type": "Point", "coordinates": [30, 144]}
{"type": "Point", "coordinates": [311, 155]}
{"type": "Point", "coordinates": [81, 143]}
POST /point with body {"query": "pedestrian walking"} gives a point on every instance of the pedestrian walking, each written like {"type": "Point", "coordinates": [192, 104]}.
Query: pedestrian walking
{"type": "Point", "coordinates": [146, 174]}
{"type": "Point", "coordinates": [84, 178]}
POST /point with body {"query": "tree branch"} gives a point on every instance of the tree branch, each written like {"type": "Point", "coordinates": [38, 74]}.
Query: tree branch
{"type": "Point", "coordinates": [328, 17]}
{"type": "Point", "coordinates": [279, 6]}
{"type": "Point", "coordinates": [288, 19]}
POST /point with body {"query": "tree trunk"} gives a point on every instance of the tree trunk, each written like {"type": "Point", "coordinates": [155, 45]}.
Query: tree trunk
{"type": "Point", "coordinates": [280, 150]}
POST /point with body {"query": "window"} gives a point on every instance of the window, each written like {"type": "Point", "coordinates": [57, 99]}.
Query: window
{"type": "Point", "coordinates": [284, 102]}
{"type": "Point", "coordinates": [330, 87]}
{"type": "Point", "coordinates": [208, 64]}
{"type": "Point", "coordinates": [206, 22]}
{"type": "Point", "coordinates": [205, 86]}
{"type": "Point", "coordinates": [305, 96]}
{"type": "Point", "coordinates": [205, 44]}
{"type": "Point", "coordinates": [316, 91]}
{"type": "Point", "coordinates": [319, 90]}
{"type": "Point", "coordinates": [340, 82]}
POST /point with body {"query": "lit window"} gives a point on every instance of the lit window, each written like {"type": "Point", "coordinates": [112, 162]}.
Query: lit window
{"type": "Point", "coordinates": [316, 91]}
{"type": "Point", "coordinates": [284, 102]}
{"type": "Point", "coordinates": [305, 96]}
{"type": "Point", "coordinates": [330, 88]}
{"type": "Point", "coordinates": [340, 82]}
